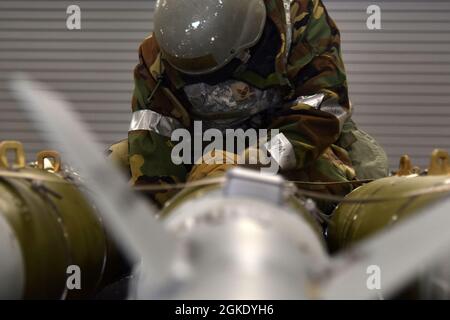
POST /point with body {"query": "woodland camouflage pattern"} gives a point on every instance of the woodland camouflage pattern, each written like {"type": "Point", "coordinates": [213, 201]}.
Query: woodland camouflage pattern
{"type": "Point", "coordinates": [313, 66]}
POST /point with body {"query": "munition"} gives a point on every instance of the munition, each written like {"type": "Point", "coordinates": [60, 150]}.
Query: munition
{"type": "Point", "coordinates": [47, 225]}
{"type": "Point", "coordinates": [406, 193]}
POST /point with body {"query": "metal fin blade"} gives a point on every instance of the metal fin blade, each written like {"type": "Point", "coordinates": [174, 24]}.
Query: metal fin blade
{"type": "Point", "coordinates": [400, 252]}
{"type": "Point", "coordinates": [128, 217]}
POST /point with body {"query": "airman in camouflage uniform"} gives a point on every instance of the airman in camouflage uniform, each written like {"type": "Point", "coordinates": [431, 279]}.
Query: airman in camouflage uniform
{"type": "Point", "coordinates": [296, 71]}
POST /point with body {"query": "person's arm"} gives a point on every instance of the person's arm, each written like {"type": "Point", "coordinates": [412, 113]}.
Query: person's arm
{"type": "Point", "coordinates": [316, 70]}
{"type": "Point", "coordinates": [153, 120]}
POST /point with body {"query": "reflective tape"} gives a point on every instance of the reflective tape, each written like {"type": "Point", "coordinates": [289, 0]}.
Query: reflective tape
{"type": "Point", "coordinates": [337, 110]}
{"type": "Point", "coordinates": [153, 121]}
{"type": "Point", "coordinates": [314, 101]}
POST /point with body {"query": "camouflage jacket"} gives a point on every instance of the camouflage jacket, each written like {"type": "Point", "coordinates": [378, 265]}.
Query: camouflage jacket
{"type": "Point", "coordinates": [308, 63]}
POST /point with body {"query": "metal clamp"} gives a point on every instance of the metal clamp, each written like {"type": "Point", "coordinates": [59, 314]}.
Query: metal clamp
{"type": "Point", "coordinates": [405, 168]}
{"type": "Point", "coordinates": [253, 184]}
{"type": "Point", "coordinates": [439, 164]}
{"type": "Point", "coordinates": [49, 154]}
{"type": "Point", "coordinates": [15, 146]}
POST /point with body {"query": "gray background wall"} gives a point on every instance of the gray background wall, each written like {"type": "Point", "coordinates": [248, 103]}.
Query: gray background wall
{"type": "Point", "coordinates": [399, 76]}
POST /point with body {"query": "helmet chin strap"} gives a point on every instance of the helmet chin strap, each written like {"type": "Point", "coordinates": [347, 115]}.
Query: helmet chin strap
{"type": "Point", "coordinates": [244, 56]}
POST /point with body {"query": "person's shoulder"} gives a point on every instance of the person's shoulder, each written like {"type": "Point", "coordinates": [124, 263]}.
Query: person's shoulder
{"type": "Point", "coordinates": [149, 50]}
{"type": "Point", "coordinates": [305, 5]}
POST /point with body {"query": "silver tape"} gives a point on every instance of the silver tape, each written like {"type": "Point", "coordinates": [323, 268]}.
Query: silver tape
{"type": "Point", "coordinates": [337, 110]}
{"type": "Point", "coordinates": [153, 121]}
{"type": "Point", "coordinates": [314, 101]}
{"type": "Point", "coordinates": [332, 106]}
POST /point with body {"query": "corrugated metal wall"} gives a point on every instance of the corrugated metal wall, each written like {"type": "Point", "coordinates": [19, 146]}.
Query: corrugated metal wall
{"type": "Point", "coordinates": [399, 76]}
